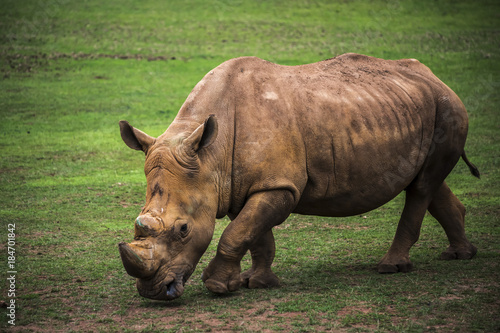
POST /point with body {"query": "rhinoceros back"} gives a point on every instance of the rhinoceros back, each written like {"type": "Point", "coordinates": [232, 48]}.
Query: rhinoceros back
{"type": "Point", "coordinates": [344, 135]}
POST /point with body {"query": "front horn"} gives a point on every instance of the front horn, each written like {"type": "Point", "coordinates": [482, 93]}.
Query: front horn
{"type": "Point", "coordinates": [137, 258]}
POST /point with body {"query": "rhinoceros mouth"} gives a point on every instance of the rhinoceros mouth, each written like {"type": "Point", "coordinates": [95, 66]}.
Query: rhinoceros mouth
{"type": "Point", "coordinates": [174, 289]}
{"type": "Point", "coordinates": [168, 288]}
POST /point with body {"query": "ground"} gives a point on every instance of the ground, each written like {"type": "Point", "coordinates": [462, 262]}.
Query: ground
{"type": "Point", "coordinates": [69, 71]}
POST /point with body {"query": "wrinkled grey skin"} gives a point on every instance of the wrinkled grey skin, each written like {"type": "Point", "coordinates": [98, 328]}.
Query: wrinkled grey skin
{"type": "Point", "coordinates": [257, 141]}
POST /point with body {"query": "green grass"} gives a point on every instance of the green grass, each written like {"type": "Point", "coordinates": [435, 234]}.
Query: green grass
{"type": "Point", "coordinates": [70, 71]}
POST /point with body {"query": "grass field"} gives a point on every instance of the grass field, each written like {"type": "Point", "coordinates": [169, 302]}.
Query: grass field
{"type": "Point", "coordinates": [70, 70]}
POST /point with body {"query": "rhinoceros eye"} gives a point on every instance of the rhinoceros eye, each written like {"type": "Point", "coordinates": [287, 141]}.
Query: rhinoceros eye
{"type": "Point", "coordinates": [184, 229]}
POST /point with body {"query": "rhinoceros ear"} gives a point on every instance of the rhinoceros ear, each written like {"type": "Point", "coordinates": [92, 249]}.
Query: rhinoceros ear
{"type": "Point", "coordinates": [204, 135]}
{"type": "Point", "coordinates": [135, 138]}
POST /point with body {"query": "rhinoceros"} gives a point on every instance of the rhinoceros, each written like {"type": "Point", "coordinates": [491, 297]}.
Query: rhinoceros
{"type": "Point", "coordinates": [256, 141]}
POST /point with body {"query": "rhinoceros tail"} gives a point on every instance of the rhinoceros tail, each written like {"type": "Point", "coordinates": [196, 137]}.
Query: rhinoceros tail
{"type": "Point", "coordinates": [473, 169]}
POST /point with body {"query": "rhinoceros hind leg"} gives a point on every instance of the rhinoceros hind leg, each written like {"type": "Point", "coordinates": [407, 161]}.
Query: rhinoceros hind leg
{"type": "Point", "coordinates": [450, 213]}
{"type": "Point", "coordinates": [261, 275]}
{"type": "Point", "coordinates": [459, 253]}
{"type": "Point", "coordinates": [397, 258]}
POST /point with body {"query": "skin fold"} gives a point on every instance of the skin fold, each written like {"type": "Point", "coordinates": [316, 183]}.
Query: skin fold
{"type": "Point", "coordinates": [256, 141]}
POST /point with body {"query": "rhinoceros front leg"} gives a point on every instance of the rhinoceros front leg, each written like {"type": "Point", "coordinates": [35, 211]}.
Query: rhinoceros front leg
{"type": "Point", "coordinates": [262, 211]}
{"type": "Point", "coordinates": [261, 275]}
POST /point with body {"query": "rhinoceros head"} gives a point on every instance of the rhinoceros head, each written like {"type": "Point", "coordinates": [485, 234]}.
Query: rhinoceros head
{"type": "Point", "coordinates": [176, 224]}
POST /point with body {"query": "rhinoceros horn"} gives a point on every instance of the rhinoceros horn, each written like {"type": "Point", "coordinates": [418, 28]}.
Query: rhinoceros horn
{"type": "Point", "coordinates": [137, 258]}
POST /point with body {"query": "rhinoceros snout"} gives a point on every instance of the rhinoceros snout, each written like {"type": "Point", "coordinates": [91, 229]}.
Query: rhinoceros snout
{"type": "Point", "coordinates": [166, 285]}
{"type": "Point", "coordinates": [138, 259]}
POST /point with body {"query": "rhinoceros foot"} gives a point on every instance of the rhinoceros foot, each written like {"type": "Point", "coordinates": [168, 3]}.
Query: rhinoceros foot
{"type": "Point", "coordinates": [222, 287]}
{"type": "Point", "coordinates": [260, 279]}
{"type": "Point", "coordinates": [221, 276]}
{"type": "Point", "coordinates": [394, 265]}
{"type": "Point", "coordinates": [465, 252]}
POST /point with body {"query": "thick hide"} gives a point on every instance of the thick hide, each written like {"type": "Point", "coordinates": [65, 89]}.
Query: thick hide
{"type": "Point", "coordinates": [257, 141]}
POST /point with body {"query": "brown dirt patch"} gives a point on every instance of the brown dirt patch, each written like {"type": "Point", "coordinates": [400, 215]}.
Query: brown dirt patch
{"type": "Point", "coordinates": [353, 310]}
{"type": "Point", "coordinates": [258, 317]}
